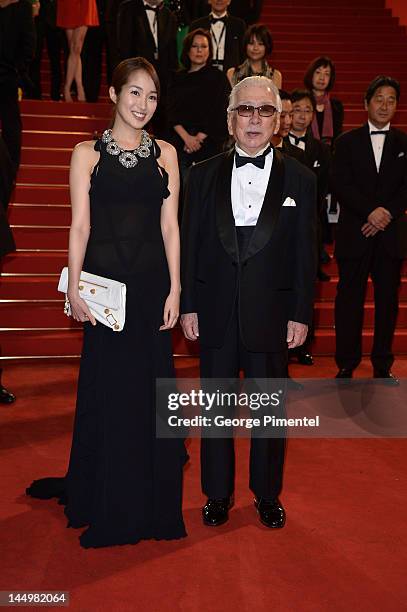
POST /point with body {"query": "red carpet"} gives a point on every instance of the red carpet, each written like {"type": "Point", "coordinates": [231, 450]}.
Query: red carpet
{"type": "Point", "coordinates": [342, 547]}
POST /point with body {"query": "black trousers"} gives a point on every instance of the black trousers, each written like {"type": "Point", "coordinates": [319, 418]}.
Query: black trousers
{"type": "Point", "coordinates": [95, 41]}
{"type": "Point", "coordinates": [266, 454]}
{"type": "Point", "coordinates": [56, 44]}
{"type": "Point", "coordinates": [10, 122]}
{"type": "Point", "coordinates": [351, 291]}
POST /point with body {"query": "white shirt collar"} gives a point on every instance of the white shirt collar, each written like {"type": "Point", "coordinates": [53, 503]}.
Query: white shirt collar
{"type": "Point", "coordinates": [244, 154]}
{"type": "Point", "coordinates": [373, 128]}
{"type": "Point", "coordinates": [212, 14]}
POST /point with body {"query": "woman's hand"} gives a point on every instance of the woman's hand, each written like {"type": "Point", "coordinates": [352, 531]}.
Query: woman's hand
{"type": "Point", "coordinates": [79, 308]}
{"type": "Point", "coordinates": [192, 143]}
{"type": "Point", "coordinates": [171, 311]}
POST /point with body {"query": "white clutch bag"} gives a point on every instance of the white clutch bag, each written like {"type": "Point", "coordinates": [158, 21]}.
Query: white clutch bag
{"type": "Point", "coordinates": [106, 298]}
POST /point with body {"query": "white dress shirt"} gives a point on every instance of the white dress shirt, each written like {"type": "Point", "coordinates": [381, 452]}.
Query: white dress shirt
{"type": "Point", "coordinates": [218, 35]}
{"type": "Point", "coordinates": [378, 142]}
{"type": "Point", "coordinates": [248, 188]}
{"type": "Point", "coordinates": [300, 145]}
{"type": "Point", "coordinates": [152, 20]}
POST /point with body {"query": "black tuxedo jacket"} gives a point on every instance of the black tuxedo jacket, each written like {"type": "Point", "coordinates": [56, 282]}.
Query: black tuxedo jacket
{"type": "Point", "coordinates": [235, 30]}
{"type": "Point", "coordinates": [360, 189]}
{"type": "Point", "coordinates": [274, 283]}
{"type": "Point", "coordinates": [249, 10]}
{"type": "Point", "coordinates": [135, 37]}
{"type": "Point", "coordinates": [317, 157]}
{"type": "Point", "coordinates": [292, 151]}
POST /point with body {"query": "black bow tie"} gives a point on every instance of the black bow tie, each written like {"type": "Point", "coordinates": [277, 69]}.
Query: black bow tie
{"type": "Point", "coordinates": [155, 9]}
{"type": "Point", "coordinates": [375, 132]}
{"type": "Point", "coordinates": [216, 19]}
{"type": "Point", "coordinates": [298, 139]}
{"type": "Point", "coordinates": [258, 161]}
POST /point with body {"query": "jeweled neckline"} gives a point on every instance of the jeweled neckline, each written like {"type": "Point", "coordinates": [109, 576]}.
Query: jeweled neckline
{"type": "Point", "coordinates": [128, 159]}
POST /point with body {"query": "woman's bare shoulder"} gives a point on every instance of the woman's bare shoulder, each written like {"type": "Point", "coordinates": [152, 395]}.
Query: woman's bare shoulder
{"type": "Point", "coordinates": [84, 153]}
{"type": "Point", "coordinates": [168, 152]}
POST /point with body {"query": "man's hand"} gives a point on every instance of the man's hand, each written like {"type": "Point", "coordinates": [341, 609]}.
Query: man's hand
{"type": "Point", "coordinates": [379, 218]}
{"type": "Point", "coordinates": [189, 324]}
{"type": "Point", "coordinates": [296, 334]}
{"type": "Point", "coordinates": [369, 230]}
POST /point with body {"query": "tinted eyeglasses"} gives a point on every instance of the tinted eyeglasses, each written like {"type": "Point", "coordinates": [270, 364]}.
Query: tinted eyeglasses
{"type": "Point", "coordinates": [247, 110]}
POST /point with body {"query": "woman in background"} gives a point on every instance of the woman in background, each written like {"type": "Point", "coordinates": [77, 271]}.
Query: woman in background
{"type": "Point", "coordinates": [328, 118]}
{"type": "Point", "coordinates": [258, 45]}
{"type": "Point", "coordinates": [75, 16]}
{"type": "Point", "coordinates": [197, 102]}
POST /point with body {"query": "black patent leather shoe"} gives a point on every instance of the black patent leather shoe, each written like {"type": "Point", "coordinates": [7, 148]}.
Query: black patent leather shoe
{"type": "Point", "coordinates": [6, 397]}
{"type": "Point", "coordinates": [344, 373]}
{"type": "Point", "coordinates": [271, 512]}
{"type": "Point", "coordinates": [305, 358]}
{"type": "Point", "coordinates": [216, 511]}
{"type": "Point", "coordinates": [388, 377]}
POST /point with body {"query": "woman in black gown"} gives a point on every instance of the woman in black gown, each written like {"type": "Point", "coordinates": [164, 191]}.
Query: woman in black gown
{"type": "Point", "coordinates": [197, 101]}
{"type": "Point", "coordinates": [123, 483]}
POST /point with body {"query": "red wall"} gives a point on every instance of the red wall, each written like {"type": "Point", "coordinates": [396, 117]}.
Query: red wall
{"type": "Point", "coordinates": [399, 9]}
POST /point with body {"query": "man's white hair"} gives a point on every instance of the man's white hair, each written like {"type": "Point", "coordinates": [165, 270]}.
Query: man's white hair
{"type": "Point", "coordinates": [255, 81]}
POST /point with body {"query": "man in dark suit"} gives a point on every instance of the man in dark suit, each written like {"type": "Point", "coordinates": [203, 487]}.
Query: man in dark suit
{"type": "Point", "coordinates": [149, 29]}
{"type": "Point", "coordinates": [245, 291]}
{"type": "Point", "coordinates": [281, 141]}
{"type": "Point", "coordinates": [280, 138]}
{"type": "Point", "coordinates": [227, 33]}
{"type": "Point", "coordinates": [317, 154]}
{"type": "Point", "coordinates": [370, 178]}
{"type": "Point", "coordinates": [17, 46]}
{"type": "Point", "coordinates": [96, 40]}
{"type": "Point", "coordinates": [6, 238]}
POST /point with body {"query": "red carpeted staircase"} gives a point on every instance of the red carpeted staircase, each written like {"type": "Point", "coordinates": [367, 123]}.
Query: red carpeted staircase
{"type": "Point", "coordinates": [362, 38]}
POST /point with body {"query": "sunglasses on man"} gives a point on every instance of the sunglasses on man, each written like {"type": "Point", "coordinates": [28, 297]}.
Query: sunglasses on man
{"type": "Point", "coordinates": [247, 110]}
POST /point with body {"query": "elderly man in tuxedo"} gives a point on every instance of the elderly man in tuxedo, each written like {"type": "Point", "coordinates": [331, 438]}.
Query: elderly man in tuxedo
{"type": "Point", "coordinates": [248, 271]}
{"type": "Point", "coordinates": [227, 33]}
{"type": "Point", "coordinates": [370, 178]}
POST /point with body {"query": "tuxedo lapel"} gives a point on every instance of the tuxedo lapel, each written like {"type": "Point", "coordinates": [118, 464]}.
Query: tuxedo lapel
{"type": "Point", "coordinates": [149, 38]}
{"type": "Point", "coordinates": [271, 207]}
{"type": "Point", "coordinates": [225, 221]}
{"type": "Point", "coordinates": [388, 148]}
{"type": "Point", "coordinates": [367, 146]}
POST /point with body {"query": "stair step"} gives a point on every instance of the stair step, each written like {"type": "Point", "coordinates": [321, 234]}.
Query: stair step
{"type": "Point", "coordinates": [40, 237]}
{"type": "Point", "coordinates": [46, 155]}
{"type": "Point", "coordinates": [41, 262]}
{"type": "Point", "coordinates": [43, 138]}
{"type": "Point", "coordinates": [29, 286]}
{"type": "Point", "coordinates": [43, 173]}
{"type": "Point", "coordinates": [67, 108]}
{"type": "Point", "coordinates": [31, 193]}
{"type": "Point", "coordinates": [39, 214]}
{"type": "Point", "coordinates": [310, 11]}
{"type": "Point", "coordinates": [65, 123]}
{"type": "Point", "coordinates": [335, 21]}
{"type": "Point", "coordinates": [326, 292]}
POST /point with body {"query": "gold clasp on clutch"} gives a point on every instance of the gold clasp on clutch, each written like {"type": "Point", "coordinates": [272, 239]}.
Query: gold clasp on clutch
{"type": "Point", "coordinates": [111, 320]}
